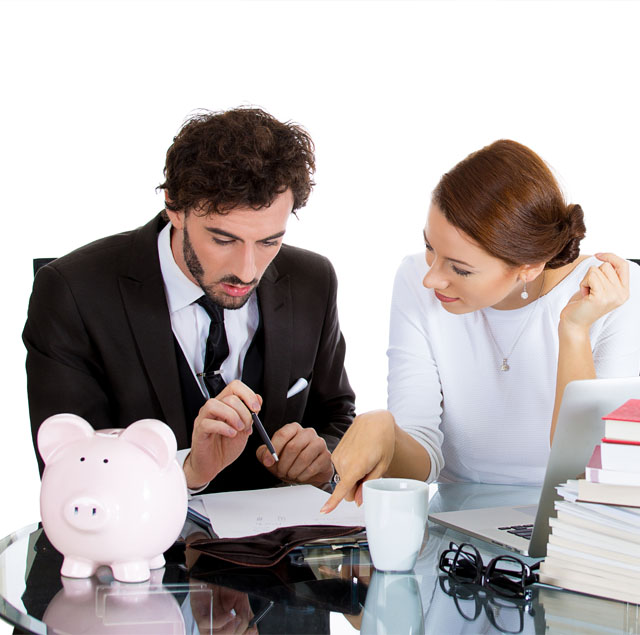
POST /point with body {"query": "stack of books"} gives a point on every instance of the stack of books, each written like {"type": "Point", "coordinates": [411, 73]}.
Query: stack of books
{"type": "Point", "coordinates": [613, 474]}
{"type": "Point", "coordinates": [594, 544]}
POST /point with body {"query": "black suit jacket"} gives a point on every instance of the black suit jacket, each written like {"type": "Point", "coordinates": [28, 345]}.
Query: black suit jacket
{"type": "Point", "coordinates": [100, 345]}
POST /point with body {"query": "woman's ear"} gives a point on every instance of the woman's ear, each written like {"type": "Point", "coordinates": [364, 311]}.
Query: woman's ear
{"type": "Point", "coordinates": [528, 273]}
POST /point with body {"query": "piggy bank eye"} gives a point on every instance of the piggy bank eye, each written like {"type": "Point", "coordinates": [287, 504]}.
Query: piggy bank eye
{"type": "Point", "coordinates": [105, 460]}
{"type": "Point", "coordinates": [81, 458]}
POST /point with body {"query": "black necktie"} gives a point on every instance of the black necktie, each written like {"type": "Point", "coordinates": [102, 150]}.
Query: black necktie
{"type": "Point", "coordinates": [217, 347]}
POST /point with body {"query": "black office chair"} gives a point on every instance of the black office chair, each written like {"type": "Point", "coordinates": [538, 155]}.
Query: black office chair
{"type": "Point", "coordinates": [40, 262]}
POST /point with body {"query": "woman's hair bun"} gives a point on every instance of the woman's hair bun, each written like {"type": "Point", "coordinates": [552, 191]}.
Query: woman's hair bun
{"type": "Point", "coordinates": [506, 198]}
{"type": "Point", "coordinates": [571, 232]}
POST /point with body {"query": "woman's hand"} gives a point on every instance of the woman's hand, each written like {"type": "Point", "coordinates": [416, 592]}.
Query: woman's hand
{"type": "Point", "coordinates": [365, 452]}
{"type": "Point", "coordinates": [602, 289]}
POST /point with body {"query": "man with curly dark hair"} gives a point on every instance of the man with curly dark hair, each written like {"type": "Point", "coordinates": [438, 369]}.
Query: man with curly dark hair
{"type": "Point", "coordinates": [202, 316]}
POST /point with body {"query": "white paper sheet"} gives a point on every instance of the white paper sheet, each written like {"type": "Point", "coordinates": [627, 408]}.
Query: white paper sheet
{"type": "Point", "coordinates": [247, 513]}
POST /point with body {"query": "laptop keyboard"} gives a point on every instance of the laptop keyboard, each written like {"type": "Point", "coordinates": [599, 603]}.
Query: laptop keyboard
{"type": "Point", "coordinates": [524, 531]}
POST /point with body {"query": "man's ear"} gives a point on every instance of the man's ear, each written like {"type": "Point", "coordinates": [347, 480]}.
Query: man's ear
{"type": "Point", "coordinates": [176, 218]}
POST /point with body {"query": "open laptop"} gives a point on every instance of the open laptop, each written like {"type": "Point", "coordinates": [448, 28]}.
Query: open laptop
{"type": "Point", "coordinates": [580, 426]}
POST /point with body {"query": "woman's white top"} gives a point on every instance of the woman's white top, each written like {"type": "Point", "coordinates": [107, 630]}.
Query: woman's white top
{"type": "Point", "coordinates": [446, 389]}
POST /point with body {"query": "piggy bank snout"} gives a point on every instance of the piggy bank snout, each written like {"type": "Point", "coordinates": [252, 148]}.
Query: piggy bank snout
{"type": "Point", "coordinates": [85, 513]}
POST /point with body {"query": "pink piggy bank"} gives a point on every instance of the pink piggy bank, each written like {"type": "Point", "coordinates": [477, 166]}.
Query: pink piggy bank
{"type": "Point", "coordinates": [110, 497]}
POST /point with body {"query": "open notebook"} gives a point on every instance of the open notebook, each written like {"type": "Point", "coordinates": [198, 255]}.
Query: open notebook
{"type": "Point", "coordinates": [252, 512]}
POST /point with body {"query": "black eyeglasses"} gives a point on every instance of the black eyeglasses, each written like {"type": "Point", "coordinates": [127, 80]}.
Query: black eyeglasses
{"type": "Point", "coordinates": [507, 615]}
{"type": "Point", "coordinates": [504, 575]}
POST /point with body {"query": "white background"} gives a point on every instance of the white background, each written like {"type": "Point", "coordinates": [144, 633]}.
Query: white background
{"type": "Point", "coordinates": [393, 93]}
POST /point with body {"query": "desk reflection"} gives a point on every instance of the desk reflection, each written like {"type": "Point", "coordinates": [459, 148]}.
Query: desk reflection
{"type": "Point", "coordinates": [393, 605]}
{"type": "Point", "coordinates": [223, 610]}
{"type": "Point", "coordinates": [95, 605]}
{"type": "Point", "coordinates": [316, 589]}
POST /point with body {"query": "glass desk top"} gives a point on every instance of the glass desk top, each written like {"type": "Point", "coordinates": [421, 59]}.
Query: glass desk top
{"type": "Point", "coordinates": [316, 590]}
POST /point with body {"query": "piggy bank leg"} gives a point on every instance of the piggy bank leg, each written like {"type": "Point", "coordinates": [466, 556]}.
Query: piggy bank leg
{"type": "Point", "coordinates": [133, 571]}
{"type": "Point", "coordinates": [75, 568]}
{"type": "Point", "coordinates": [157, 563]}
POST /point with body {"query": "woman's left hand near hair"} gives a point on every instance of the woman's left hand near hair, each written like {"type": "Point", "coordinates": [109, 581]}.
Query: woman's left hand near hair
{"type": "Point", "coordinates": [602, 289]}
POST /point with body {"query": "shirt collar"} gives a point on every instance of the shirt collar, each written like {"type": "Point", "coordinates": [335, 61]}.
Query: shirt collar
{"type": "Point", "coordinates": [180, 291]}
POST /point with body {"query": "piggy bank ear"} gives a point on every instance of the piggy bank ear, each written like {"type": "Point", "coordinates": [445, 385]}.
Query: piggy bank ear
{"type": "Point", "coordinates": [60, 430]}
{"type": "Point", "coordinates": [153, 437]}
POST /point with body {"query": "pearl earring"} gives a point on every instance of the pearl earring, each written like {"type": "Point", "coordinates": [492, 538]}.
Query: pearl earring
{"type": "Point", "coordinates": [524, 295]}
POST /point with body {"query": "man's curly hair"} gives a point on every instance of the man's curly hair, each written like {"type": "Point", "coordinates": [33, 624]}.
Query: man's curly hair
{"type": "Point", "coordinates": [239, 158]}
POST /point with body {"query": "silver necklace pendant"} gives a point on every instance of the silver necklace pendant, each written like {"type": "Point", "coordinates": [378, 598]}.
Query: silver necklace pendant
{"type": "Point", "coordinates": [505, 367]}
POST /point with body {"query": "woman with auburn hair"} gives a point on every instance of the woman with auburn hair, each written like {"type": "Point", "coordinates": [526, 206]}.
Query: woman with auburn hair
{"type": "Point", "coordinates": [488, 327]}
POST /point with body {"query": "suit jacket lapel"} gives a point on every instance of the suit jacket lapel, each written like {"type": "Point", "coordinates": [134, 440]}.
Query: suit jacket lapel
{"type": "Point", "coordinates": [145, 302]}
{"type": "Point", "coordinates": [274, 295]}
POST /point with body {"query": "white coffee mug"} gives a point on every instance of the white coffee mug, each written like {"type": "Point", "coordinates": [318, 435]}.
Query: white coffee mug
{"type": "Point", "coordinates": [395, 514]}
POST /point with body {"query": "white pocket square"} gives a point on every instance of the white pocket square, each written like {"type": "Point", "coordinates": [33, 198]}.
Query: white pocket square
{"type": "Point", "coordinates": [299, 386]}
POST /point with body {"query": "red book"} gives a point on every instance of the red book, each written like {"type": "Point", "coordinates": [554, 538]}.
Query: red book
{"type": "Point", "coordinates": [595, 473]}
{"type": "Point", "coordinates": [624, 422]}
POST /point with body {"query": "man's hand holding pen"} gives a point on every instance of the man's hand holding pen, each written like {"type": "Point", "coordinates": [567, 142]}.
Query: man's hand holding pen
{"type": "Point", "coordinates": [303, 456]}
{"type": "Point", "coordinates": [296, 454]}
{"type": "Point", "coordinates": [220, 432]}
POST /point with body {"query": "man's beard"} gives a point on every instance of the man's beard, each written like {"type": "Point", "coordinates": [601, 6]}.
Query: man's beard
{"type": "Point", "coordinates": [195, 269]}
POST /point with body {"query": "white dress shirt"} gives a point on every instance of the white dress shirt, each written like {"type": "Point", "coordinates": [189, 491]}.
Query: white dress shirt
{"type": "Point", "coordinates": [190, 322]}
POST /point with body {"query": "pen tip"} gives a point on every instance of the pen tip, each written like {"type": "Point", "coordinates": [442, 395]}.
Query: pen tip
{"type": "Point", "coordinates": [275, 457]}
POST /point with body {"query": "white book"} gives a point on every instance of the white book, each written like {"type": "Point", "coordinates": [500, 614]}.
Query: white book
{"type": "Point", "coordinates": [603, 525]}
{"type": "Point", "coordinates": [602, 567]}
{"type": "Point", "coordinates": [595, 473]}
{"type": "Point", "coordinates": [593, 538]}
{"type": "Point", "coordinates": [601, 514]}
{"type": "Point", "coordinates": [568, 490]}
{"type": "Point", "coordinates": [620, 456]}
{"type": "Point", "coordinates": [560, 568]}
{"type": "Point", "coordinates": [595, 560]}
{"type": "Point", "coordinates": [628, 495]}
{"type": "Point", "coordinates": [624, 430]}
{"type": "Point", "coordinates": [586, 549]}
{"type": "Point", "coordinates": [626, 514]}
